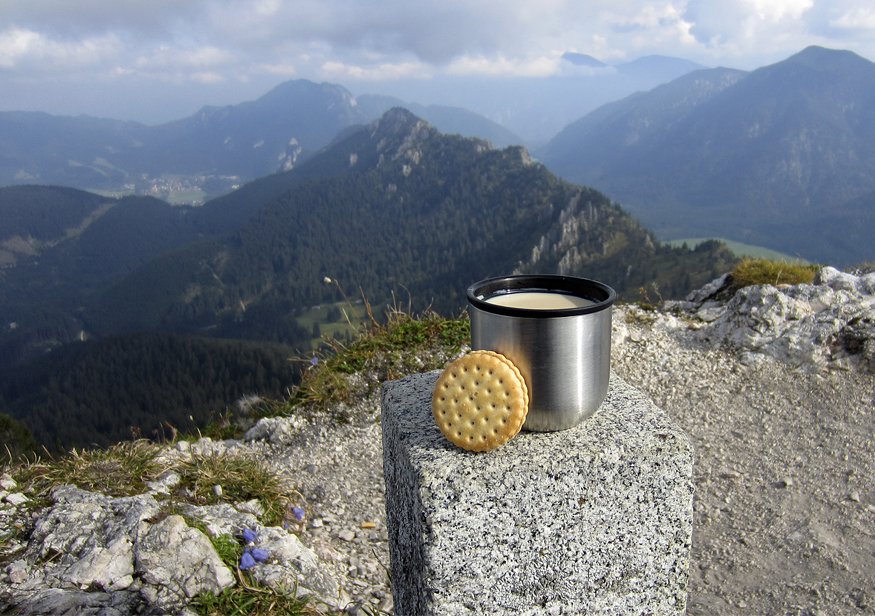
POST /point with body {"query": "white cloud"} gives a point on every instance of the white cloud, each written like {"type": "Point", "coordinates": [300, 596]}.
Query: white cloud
{"type": "Point", "coordinates": [776, 10]}
{"type": "Point", "coordinates": [230, 41]}
{"type": "Point", "coordinates": [283, 69]}
{"type": "Point", "coordinates": [166, 57]}
{"type": "Point", "coordinates": [16, 44]}
{"type": "Point", "coordinates": [481, 65]}
{"type": "Point", "coordinates": [757, 32]}
{"type": "Point", "coordinates": [23, 49]}
{"type": "Point", "coordinates": [862, 18]}
{"type": "Point", "coordinates": [397, 38]}
{"type": "Point", "coordinates": [207, 77]}
{"type": "Point", "coordinates": [85, 18]}
{"type": "Point", "coordinates": [660, 24]}
{"type": "Point", "coordinates": [381, 72]}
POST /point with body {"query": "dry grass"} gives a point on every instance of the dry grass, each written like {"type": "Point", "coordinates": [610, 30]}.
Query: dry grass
{"type": "Point", "coordinates": [120, 470]}
{"type": "Point", "coordinates": [124, 470]}
{"type": "Point", "coordinates": [241, 477]}
{"type": "Point", "coordinates": [749, 272]}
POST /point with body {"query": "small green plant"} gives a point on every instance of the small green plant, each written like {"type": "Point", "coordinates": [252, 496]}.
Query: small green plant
{"type": "Point", "coordinates": [749, 272]}
{"type": "Point", "coordinates": [242, 478]}
{"type": "Point", "coordinates": [252, 600]}
{"type": "Point", "coordinates": [228, 549]}
{"type": "Point", "coordinates": [404, 345]}
{"type": "Point", "coordinates": [120, 470]}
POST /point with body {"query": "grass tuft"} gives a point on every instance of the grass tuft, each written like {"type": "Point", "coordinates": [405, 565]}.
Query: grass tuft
{"type": "Point", "coordinates": [252, 601]}
{"type": "Point", "coordinates": [404, 345]}
{"type": "Point", "coordinates": [120, 470]}
{"type": "Point", "coordinates": [749, 272]}
{"type": "Point", "coordinates": [242, 478]}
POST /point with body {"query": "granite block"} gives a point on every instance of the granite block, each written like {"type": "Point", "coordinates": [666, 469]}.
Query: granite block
{"type": "Point", "coordinates": [592, 520]}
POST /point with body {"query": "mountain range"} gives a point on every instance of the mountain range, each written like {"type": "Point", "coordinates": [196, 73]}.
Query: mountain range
{"type": "Point", "coordinates": [780, 157]}
{"type": "Point", "coordinates": [394, 206]}
{"type": "Point", "coordinates": [219, 148]}
{"type": "Point", "coordinates": [783, 156]}
{"type": "Point", "coordinates": [207, 154]}
{"type": "Point", "coordinates": [536, 107]}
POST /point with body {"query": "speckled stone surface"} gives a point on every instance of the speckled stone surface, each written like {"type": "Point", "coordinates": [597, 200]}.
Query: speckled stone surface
{"type": "Point", "coordinates": [592, 520]}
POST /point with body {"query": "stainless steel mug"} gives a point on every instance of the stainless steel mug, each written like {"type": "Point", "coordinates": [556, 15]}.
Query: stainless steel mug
{"type": "Point", "coordinates": [564, 354]}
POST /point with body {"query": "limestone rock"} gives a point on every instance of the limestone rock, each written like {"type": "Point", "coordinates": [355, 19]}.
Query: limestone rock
{"type": "Point", "coordinates": [87, 538]}
{"type": "Point", "coordinates": [275, 430]}
{"type": "Point", "coordinates": [164, 483]}
{"type": "Point", "coordinates": [842, 281]}
{"type": "Point", "coordinates": [814, 327]}
{"type": "Point", "coordinates": [7, 482]}
{"type": "Point", "coordinates": [710, 290]}
{"type": "Point", "coordinates": [17, 498]}
{"type": "Point", "coordinates": [292, 565]}
{"type": "Point", "coordinates": [90, 553]}
{"type": "Point", "coordinates": [180, 562]}
{"type": "Point", "coordinates": [52, 601]}
{"type": "Point", "coordinates": [223, 519]}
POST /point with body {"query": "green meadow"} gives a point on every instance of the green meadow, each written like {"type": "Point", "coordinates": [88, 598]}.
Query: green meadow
{"type": "Point", "coordinates": [339, 320]}
{"type": "Point", "coordinates": [742, 250]}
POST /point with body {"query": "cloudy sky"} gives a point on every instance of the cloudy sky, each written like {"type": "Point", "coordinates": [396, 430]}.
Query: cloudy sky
{"type": "Point", "coordinates": [163, 59]}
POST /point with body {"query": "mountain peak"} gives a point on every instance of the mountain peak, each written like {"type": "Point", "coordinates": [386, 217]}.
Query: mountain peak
{"type": "Point", "coordinates": [721, 153]}
{"type": "Point", "coordinates": [823, 58]}
{"type": "Point", "coordinates": [399, 120]}
{"type": "Point", "coordinates": [399, 132]}
{"type": "Point", "coordinates": [581, 59]}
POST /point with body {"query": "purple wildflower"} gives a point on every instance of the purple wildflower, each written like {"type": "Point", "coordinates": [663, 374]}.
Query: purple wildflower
{"type": "Point", "coordinates": [247, 561]}
{"type": "Point", "coordinates": [314, 361]}
{"type": "Point", "coordinates": [249, 535]}
{"type": "Point", "coordinates": [299, 513]}
{"type": "Point", "coordinates": [259, 555]}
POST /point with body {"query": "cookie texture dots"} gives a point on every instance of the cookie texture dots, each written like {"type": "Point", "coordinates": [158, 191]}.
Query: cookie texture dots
{"type": "Point", "coordinates": [480, 401]}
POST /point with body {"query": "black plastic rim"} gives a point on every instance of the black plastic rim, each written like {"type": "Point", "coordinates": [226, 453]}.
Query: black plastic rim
{"type": "Point", "coordinates": [603, 295]}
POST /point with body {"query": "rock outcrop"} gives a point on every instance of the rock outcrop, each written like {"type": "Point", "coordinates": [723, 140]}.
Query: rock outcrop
{"type": "Point", "coordinates": [91, 553]}
{"type": "Point", "coordinates": [827, 325]}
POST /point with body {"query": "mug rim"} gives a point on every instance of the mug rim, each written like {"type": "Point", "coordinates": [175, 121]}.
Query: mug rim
{"type": "Point", "coordinates": [592, 290]}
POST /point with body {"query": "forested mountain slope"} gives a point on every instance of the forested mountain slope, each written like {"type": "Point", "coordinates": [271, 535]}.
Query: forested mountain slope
{"type": "Point", "coordinates": [142, 385]}
{"type": "Point", "coordinates": [406, 209]}
{"type": "Point", "coordinates": [782, 157]}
